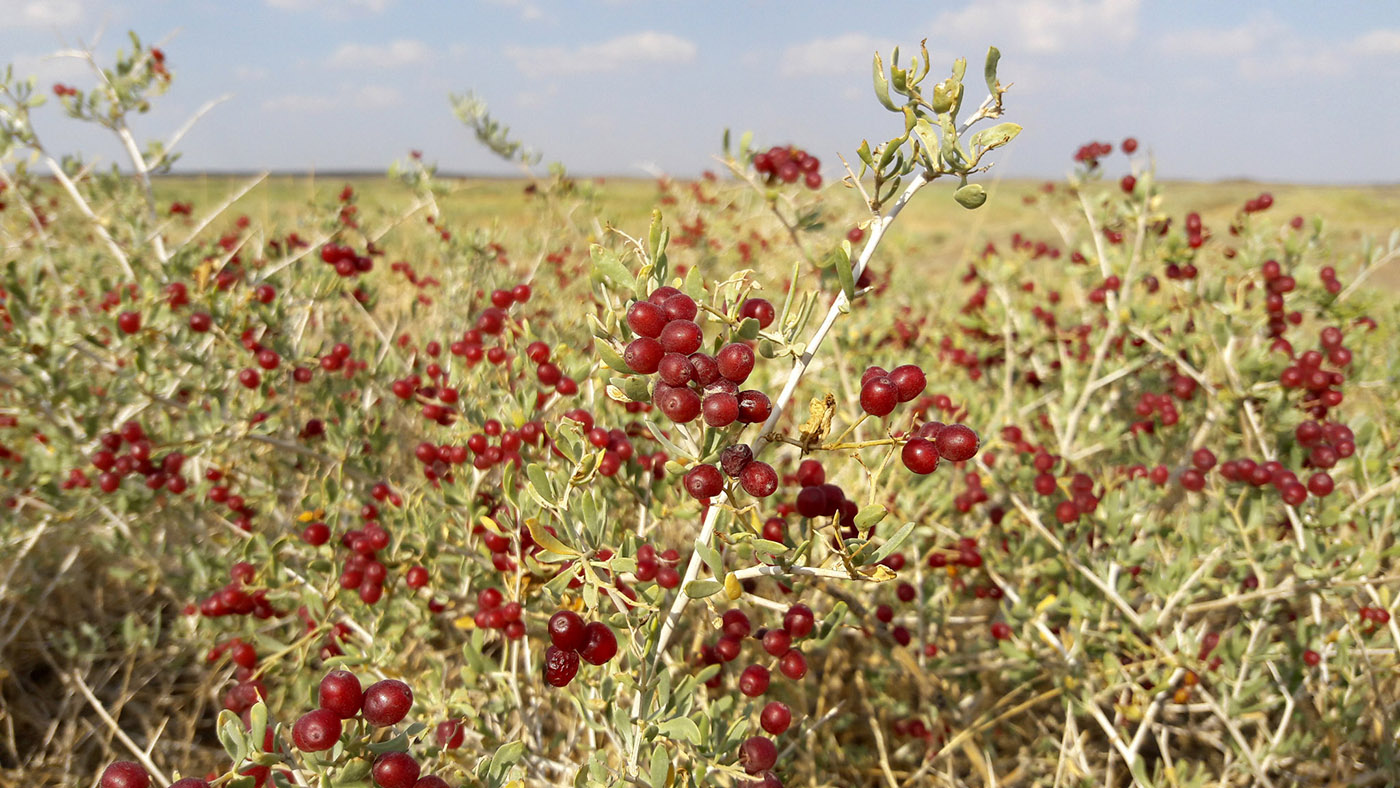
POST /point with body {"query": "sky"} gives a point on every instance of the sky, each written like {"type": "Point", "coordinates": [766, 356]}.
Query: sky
{"type": "Point", "coordinates": [1273, 91]}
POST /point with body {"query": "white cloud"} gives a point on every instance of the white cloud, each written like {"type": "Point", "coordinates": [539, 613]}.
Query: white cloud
{"type": "Point", "coordinates": [1379, 42]}
{"type": "Point", "coordinates": [636, 48]}
{"type": "Point", "coordinates": [366, 97]}
{"type": "Point", "coordinates": [1243, 39]}
{"type": "Point", "coordinates": [529, 11]}
{"type": "Point", "coordinates": [1042, 27]}
{"type": "Point", "coordinates": [395, 54]}
{"type": "Point", "coordinates": [332, 8]}
{"type": "Point", "coordinates": [848, 53]}
{"type": "Point", "coordinates": [41, 13]}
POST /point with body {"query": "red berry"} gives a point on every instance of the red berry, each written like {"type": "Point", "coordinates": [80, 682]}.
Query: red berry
{"type": "Point", "coordinates": [560, 666]}
{"type": "Point", "coordinates": [643, 355]}
{"type": "Point", "coordinates": [734, 459]}
{"type": "Point", "coordinates": [759, 309]}
{"type": "Point", "coordinates": [735, 624]}
{"type": "Point", "coordinates": [681, 336]}
{"type": "Point", "coordinates": [878, 396]}
{"type": "Point", "coordinates": [1001, 630]}
{"type": "Point", "coordinates": [647, 319]}
{"type": "Point", "coordinates": [1310, 658]}
{"type": "Point", "coordinates": [125, 774]}
{"type": "Point", "coordinates": [567, 630]}
{"type": "Point", "coordinates": [957, 443]}
{"type": "Point", "coordinates": [201, 322]}
{"type": "Point", "coordinates": [600, 644]}
{"type": "Point", "coordinates": [680, 405]}
{"type": "Point", "coordinates": [757, 754]}
{"type": "Point", "coordinates": [777, 642]}
{"type": "Point", "coordinates": [316, 731]}
{"type": "Point", "coordinates": [703, 482]}
{"type": "Point", "coordinates": [909, 381]}
{"type": "Point", "coordinates": [793, 665]}
{"type": "Point", "coordinates": [676, 369]}
{"type": "Point", "coordinates": [754, 407]}
{"type": "Point", "coordinates": [798, 621]}
{"type": "Point", "coordinates": [680, 307]}
{"type": "Point", "coordinates": [920, 456]}
{"type": "Point", "coordinates": [775, 717]}
{"type": "Point", "coordinates": [735, 361]}
{"type": "Point", "coordinates": [129, 322]}
{"type": "Point", "coordinates": [759, 479]}
{"type": "Point", "coordinates": [720, 409]}
{"type": "Point", "coordinates": [386, 703]}
{"type": "Point", "coordinates": [754, 681]}
{"type": "Point", "coordinates": [340, 694]}
{"type": "Point", "coordinates": [395, 770]}
{"type": "Point", "coordinates": [450, 734]}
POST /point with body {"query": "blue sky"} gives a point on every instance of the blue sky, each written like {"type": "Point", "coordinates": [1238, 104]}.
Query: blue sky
{"type": "Point", "coordinates": [1214, 89]}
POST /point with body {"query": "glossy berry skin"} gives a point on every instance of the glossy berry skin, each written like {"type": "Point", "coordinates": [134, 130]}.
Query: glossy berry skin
{"type": "Point", "coordinates": [799, 621]}
{"type": "Point", "coordinates": [909, 381]}
{"type": "Point", "coordinates": [676, 369]}
{"type": "Point", "coordinates": [316, 731]}
{"type": "Point", "coordinates": [957, 443]}
{"type": "Point", "coordinates": [450, 734]}
{"type": "Point", "coordinates": [395, 770]}
{"type": "Point", "coordinates": [757, 754]}
{"type": "Point", "coordinates": [647, 319]}
{"type": "Point", "coordinates": [754, 681]}
{"type": "Point", "coordinates": [759, 309]}
{"type": "Point", "coordinates": [600, 644]}
{"type": "Point", "coordinates": [777, 642]}
{"type": "Point", "coordinates": [386, 703]}
{"type": "Point", "coordinates": [704, 482]}
{"type": "Point", "coordinates": [125, 774]}
{"type": "Point", "coordinates": [775, 717]}
{"type": "Point", "coordinates": [735, 361]}
{"type": "Point", "coordinates": [920, 456]}
{"type": "Point", "coordinates": [340, 694]}
{"type": "Point", "coordinates": [754, 407]}
{"type": "Point", "coordinates": [735, 624]}
{"type": "Point", "coordinates": [681, 336]}
{"type": "Point", "coordinates": [878, 396]}
{"type": "Point", "coordinates": [560, 666]}
{"type": "Point", "coordinates": [1310, 658]}
{"type": "Point", "coordinates": [431, 781]}
{"type": "Point", "coordinates": [129, 322]}
{"type": "Point", "coordinates": [759, 479]}
{"type": "Point", "coordinates": [567, 630]}
{"type": "Point", "coordinates": [1001, 630]}
{"type": "Point", "coordinates": [680, 307]}
{"type": "Point", "coordinates": [793, 665]}
{"type": "Point", "coordinates": [680, 405]}
{"type": "Point", "coordinates": [720, 409]}
{"type": "Point", "coordinates": [643, 355]}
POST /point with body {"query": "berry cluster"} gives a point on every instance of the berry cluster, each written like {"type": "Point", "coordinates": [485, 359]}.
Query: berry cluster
{"type": "Point", "coordinates": [163, 472]}
{"type": "Point", "coordinates": [881, 391]}
{"type": "Point", "coordinates": [573, 640]}
{"type": "Point", "coordinates": [935, 440]}
{"type": "Point", "coordinates": [816, 498]}
{"type": "Point", "coordinates": [785, 164]}
{"type": "Point", "coordinates": [493, 612]}
{"type": "Point", "coordinates": [660, 567]}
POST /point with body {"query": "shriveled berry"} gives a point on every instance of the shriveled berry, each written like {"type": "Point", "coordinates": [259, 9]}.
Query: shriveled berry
{"type": "Point", "coordinates": [734, 458]}
{"type": "Point", "coordinates": [560, 666]}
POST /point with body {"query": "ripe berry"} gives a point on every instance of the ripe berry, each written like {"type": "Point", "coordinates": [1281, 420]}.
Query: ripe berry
{"type": "Point", "coordinates": [957, 443]}
{"type": "Point", "coordinates": [706, 368]}
{"type": "Point", "coordinates": [201, 322]}
{"type": "Point", "coordinates": [703, 482]}
{"type": "Point", "coordinates": [680, 307]}
{"type": "Point", "coordinates": [735, 624]}
{"type": "Point", "coordinates": [316, 731]}
{"type": "Point", "coordinates": [125, 774]}
{"type": "Point", "coordinates": [680, 405]}
{"type": "Point", "coordinates": [775, 717]}
{"type": "Point", "coordinates": [754, 681]}
{"type": "Point", "coordinates": [878, 396]}
{"type": "Point", "coordinates": [560, 666]}
{"type": "Point", "coordinates": [646, 319]}
{"type": "Point", "coordinates": [909, 381]}
{"type": "Point", "coordinates": [395, 770]}
{"type": "Point", "coordinates": [1310, 658]}
{"type": "Point", "coordinates": [777, 642]}
{"type": "Point", "coordinates": [735, 361]}
{"type": "Point", "coordinates": [920, 456]}
{"type": "Point", "coordinates": [450, 734]}
{"type": "Point", "coordinates": [798, 621]}
{"type": "Point", "coordinates": [759, 309]}
{"type": "Point", "coordinates": [386, 702]}
{"type": "Point", "coordinates": [793, 665]}
{"type": "Point", "coordinates": [249, 378]}
{"type": "Point", "coordinates": [676, 369]}
{"type": "Point", "coordinates": [1001, 630]}
{"type": "Point", "coordinates": [129, 322]}
{"type": "Point", "coordinates": [759, 479]}
{"type": "Point", "coordinates": [600, 644]}
{"type": "Point", "coordinates": [757, 754]}
{"type": "Point", "coordinates": [340, 694]}
{"type": "Point", "coordinates": [643, 355]}
{"type": "Point", "coordinates": [754, 407]}
{"type": "Point", "coordinates": [567, 630]}
{"type": "Point", "coordinates": [681, 336]}
{"type": "Point", "coordinates": [720, 409]}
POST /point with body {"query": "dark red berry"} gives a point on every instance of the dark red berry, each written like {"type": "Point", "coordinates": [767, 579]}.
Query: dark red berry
{"type": "Point", "coordinates": [920, 456]}
{"type": "Point", "coordinates": [643, 355]}
{"type": "Point", "coordinates": [957, 443]}
{"type": "Point", "coordinates": [735, 361]}
{"type": "Point", "coordinates": [757, 754]}
{"type": "Point", "coordinates": [798, 621]}
{"type": "Point", "coordinates": [754, 407]}
{"type": "Point", "coordinates": [395, 770]}
{"type": "Point", "coordinates": [600, 644]}
{"type": "Point", "coordinates": [759, 479]}
{"type": "Point", "coordinates": [720, 409]}
{"type": "Point", "coordinates": [386, 703]}
{"type": "Point", "coordinates": [340, 694]}
{"type": "Point", "coordinates": [909, 381]}
{"type": "Point", "coordinates": [775, 717]}
{"type": "Point", "coordinates": [316, 731]}
{"type": "Point", "coordinates": [647, 319]}
{"type": "Point", "coordinates": [754, 681]}
{"type": "Point", "coordinates": [759, 309]}
{"type": "Point", "coordinates": [125, 774]}
{"type": "Point", "coordinates": [793, 665]}
{"type": "Point", "coordinates": [734, 458]}
{"type": "Point", "coordinates": [560, 666]}
{"type": "Point", "coordinates": [704, 482]}
{"type": "Point", "coordinates": [567, 630]}
{"type": "Point", "coordinates": [681, 336]}
{"type": "Point", "coordinates": [878, 396]}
